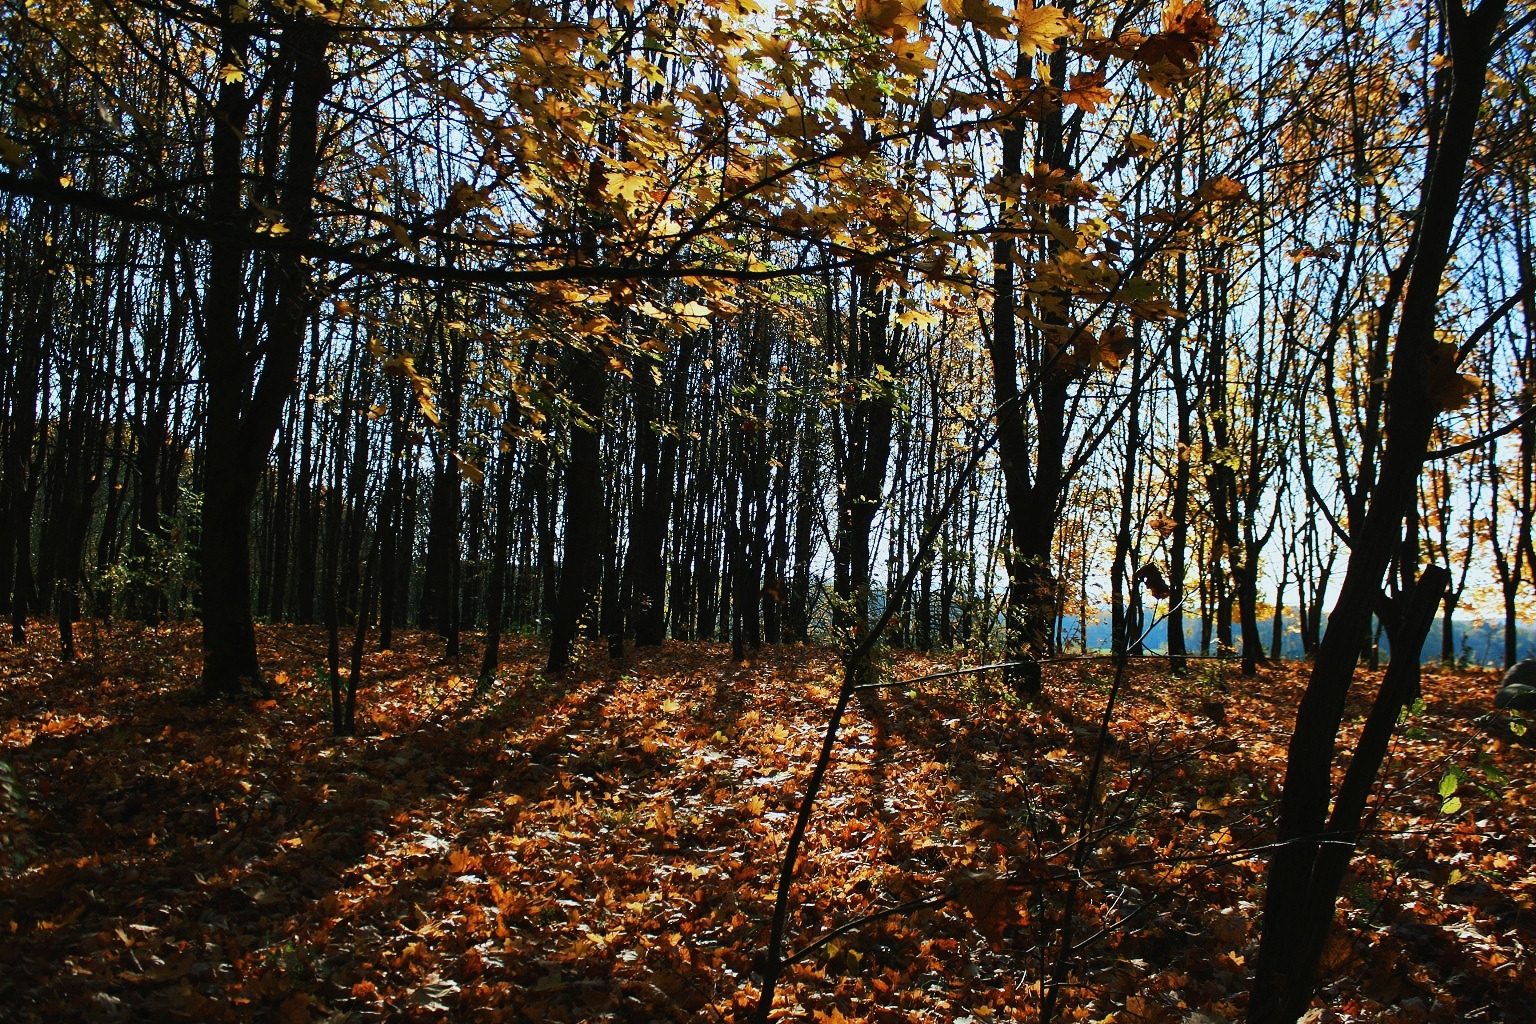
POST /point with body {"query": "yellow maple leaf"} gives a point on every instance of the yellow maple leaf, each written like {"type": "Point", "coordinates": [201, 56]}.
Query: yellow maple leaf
{"type": "Point", "coordinates": [468, 470]}
{"type": "Point", "coordinates": [626, 186]}
{"type": "Point", "coordinates": [916, 317]}
{"type": "Point", "coordinates": [984, 14]}
{"type": "Point", "coordinates": [1039, 27]}
{"type": "Point", "coordinates": [693, 314]}
{"type": "Point", "coordinates": [910, 55]}
{"type": "Point", "coordinates": [895, 18]}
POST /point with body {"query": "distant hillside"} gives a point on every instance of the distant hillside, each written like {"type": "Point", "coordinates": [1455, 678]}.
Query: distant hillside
{"type": "Point", "coordinates": [1477, 643]}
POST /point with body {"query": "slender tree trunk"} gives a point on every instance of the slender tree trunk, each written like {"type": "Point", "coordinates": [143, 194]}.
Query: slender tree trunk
{"type": "Point", "coordinates": [1299, 888]}
{"type": "Point", "coordinates": [652, 502]}
{"type": "Point", "coordinates": [389, 527]}
{"type": "Point", "coordinates": [307, 542]}
{"type": "Point", "coordinates": [491, 657]}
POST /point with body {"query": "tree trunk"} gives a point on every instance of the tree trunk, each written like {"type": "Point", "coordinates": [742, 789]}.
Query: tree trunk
{"type": "Point", "coordinates": [1299, 890]}
{"type": "Point", "coordinates": [491, 657]}
{"type": "Point", "coordinates": [582, 535]}
{"type": "Point", "coordinates": [242, 419]}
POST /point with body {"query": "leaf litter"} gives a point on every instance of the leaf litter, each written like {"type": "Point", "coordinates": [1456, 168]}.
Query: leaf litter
{"type": "Point", "coordinates": [602, 845]}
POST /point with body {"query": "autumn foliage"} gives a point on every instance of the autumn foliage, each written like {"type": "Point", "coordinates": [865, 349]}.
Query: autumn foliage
{"type": "Point", "coordinates": [602, 845]}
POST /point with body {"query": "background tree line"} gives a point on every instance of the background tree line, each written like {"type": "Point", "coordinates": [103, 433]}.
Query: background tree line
{"type": "Point", "coordinates": [1173, 297]}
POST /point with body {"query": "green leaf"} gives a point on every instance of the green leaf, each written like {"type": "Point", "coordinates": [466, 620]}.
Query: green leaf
{"type": "Point", "coordinates": [1449, 781]}
{"type": "Point", "coordinates": [1451, 806]}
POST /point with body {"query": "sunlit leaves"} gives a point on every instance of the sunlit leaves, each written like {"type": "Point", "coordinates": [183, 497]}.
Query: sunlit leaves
{"type": "Point", "coordinates": [404, 365]}
{"type": "Point", "coordinates": [1087, 91]}
{"type": "Point", "coordinates": [605, 845]}
{"type": "Point", "coordinates": [894, 18]}
{"type": "Point", "coordinates": [1449, 783]}
{"type": "Point", "coordinates": [629, 187]}
{"type": "Point", "coordinates": [683, 316]}
{"type": "Point", "coordinates": [984, 14]}
{"type": "Point", "coordinates": [1170, 56]}
{"type": "Point", "coordinates": [1038, 27]}
{"type": "Point", "coordinates": [1108, 349]}
{"type": "Point", "coordinates": [916, 318]}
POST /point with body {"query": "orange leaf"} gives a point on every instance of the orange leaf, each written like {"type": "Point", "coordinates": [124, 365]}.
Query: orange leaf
{"type": "Point", "coordinates": [1447, 388]}
{"type": "Point", "coordinates": [1087, 91]}
{"type": "Point", "coordinates": [1222, 189]}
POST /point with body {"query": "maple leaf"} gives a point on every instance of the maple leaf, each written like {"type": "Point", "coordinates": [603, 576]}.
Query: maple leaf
{"type": "Point", "coordinates": [1192, 21]}
{"type": "Point", "coordinates": [1222, 189]}
{"type": "Point", "coordinates": [1448, 388]}
{"type": "Point", "coordinates": [1087, 91]}
{"type": "Point", "coordinates": [985, 895]}
{"type": "Point", "coordinates": [694, 315]}
{"type": "Point", "coordinates": [1170, 56]}
{"type": "Point", "coordinates": [1039, 27]}
{"type": "Point", "coordinates": [629, 187]}
{"type": "Point", "coordinates": [917, 317]}
{"type": "Point", "coordinates": [894, 18]}
{"type": "Point", "coordinates": [984, 14]}
{"type": "Point", "coordinates": [468, 470]}
{"type": "Point", "coordinates": [1114, 345]}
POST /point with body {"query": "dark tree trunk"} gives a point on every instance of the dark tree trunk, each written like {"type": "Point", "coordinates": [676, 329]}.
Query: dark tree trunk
{"type": "Point", "coordinates": [491, 658]}
{"type": "Point", "coordinates": [539, 472]}
{"type": "Point", "coordinates": [806, 483]}
{"type": "Point", "coordinates": [652, 505]}
{"type": "Point", "coordinates": [1126, 613]}
{"type": "Point", "coordinates": [389, 525]}
{"type": "Point", "coordinates": [1301, 884]}
{"type": "Point", "coordinates": [307, 542]}
{"type": "Point", "coordinates": [437, 592]}
{"type": "Point", "coordinates": [611, 615]}
{"type": "Point", "coordinates": [241, 419]}
{"type": "Point", "coordinates": [28, 286]}
{"type": "Point", "coordinates": [581, 543]}
{"type": "Point", "coordinates": [1031, 460]}
{"type": "Point", "coordinates": [869, 345]}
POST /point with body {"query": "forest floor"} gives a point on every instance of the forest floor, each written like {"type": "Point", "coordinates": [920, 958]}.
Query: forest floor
{"type": "Point", "coordinates": [602, 846]}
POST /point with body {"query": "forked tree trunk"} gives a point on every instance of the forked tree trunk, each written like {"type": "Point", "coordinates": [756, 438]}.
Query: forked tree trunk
{"type": "Point", "coordinates": [1301, 884]}
{"type": "Point", "coordinates": [242, 419]}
